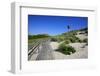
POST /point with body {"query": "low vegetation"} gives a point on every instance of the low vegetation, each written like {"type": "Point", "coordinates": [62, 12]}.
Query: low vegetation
{"type": "Point", "coordinates": [54, 39]}
{"type": "Point", "coordinates": [66, 49]}
{"type": "Point", "coordinates": [35, 38]}
{"type": "Point", "coordinates": [85, 40]}
{"type": "Point", "coordinates": [38, 36]}
{"type": "Point", "coordinates": [67, 38]}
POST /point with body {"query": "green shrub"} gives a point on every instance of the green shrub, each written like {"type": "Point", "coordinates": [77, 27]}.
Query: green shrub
{"type": "Point", "coordinates": [60, 39]}
{"type": "Point", "coordinates": [85, 40]}
{"type": "Point", "coordinates": [80, 41]}
{"type": "Point", "coordinates": [74, 33]}
{"type": "Point", "coordinates": [72, 39]}
{"type": "Point", "coordinates": [76, 39]}
{"type": "Point", "coordinates": [67, 41]}
{"type": "Point", "coordinates": [67, 50]}
{"type": "Point", "coordinates": [86, 31]}
{"type": "Point", "coordinates": [70, 49]}
{"type": "Point", "coordinates": [54, 39]}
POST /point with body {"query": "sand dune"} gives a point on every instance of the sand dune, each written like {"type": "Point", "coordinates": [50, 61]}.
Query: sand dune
{"type": "Point", "coordinates": [80, 51]}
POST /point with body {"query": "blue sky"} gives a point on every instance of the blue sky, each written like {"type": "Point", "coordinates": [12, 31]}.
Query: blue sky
{"type": "Point", "coordinates": [54, 25]}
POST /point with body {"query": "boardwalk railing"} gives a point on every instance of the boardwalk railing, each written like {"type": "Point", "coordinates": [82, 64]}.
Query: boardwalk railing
{"type": "Point", "coordinates": [36, 47]}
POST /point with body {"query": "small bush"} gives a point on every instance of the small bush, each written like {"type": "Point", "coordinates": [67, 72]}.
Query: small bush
{"type": "Point", "coordinates": [73, 39]}
{"type": "Point", "coordinates": [74, 33]}
{"type": "Point", "coordinates": [80, 41]}
{"type": "Point", "coordinates": [85, 40]}
{"type": "Point", "coordinates": [70, 49]}
{"type": "Point", "coordinates": [86, 32]}
{"type": "Point", "coordinates": [67, 41]}
{"type": "Point", "coordinates": [67, 50]}
{"type": "Point", "coordinates": [54, 39]}
{"type": "Point", "coordinates": [60, 39]}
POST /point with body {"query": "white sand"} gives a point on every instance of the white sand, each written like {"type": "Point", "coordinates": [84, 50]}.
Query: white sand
{"type": "Point", "coordinates": [54, 45]}
{"type": "Point", "coordinates": [81, 51]}
{"type": "Point", "coordinates": [81, 36]}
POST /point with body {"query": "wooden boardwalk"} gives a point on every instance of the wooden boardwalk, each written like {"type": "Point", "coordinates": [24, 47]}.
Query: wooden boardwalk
{"type": "Point", "coordinates": [42, 51]}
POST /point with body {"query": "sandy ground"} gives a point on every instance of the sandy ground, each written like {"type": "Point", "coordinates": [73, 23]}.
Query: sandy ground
{"type": "Point", "coordinates": [82, 36]}
{"type": "Point", "coordinates": [81, 51]}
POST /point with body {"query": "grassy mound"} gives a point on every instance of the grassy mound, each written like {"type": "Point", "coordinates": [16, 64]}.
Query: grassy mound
{"type": "Point", "coordinates": [67, 50]}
